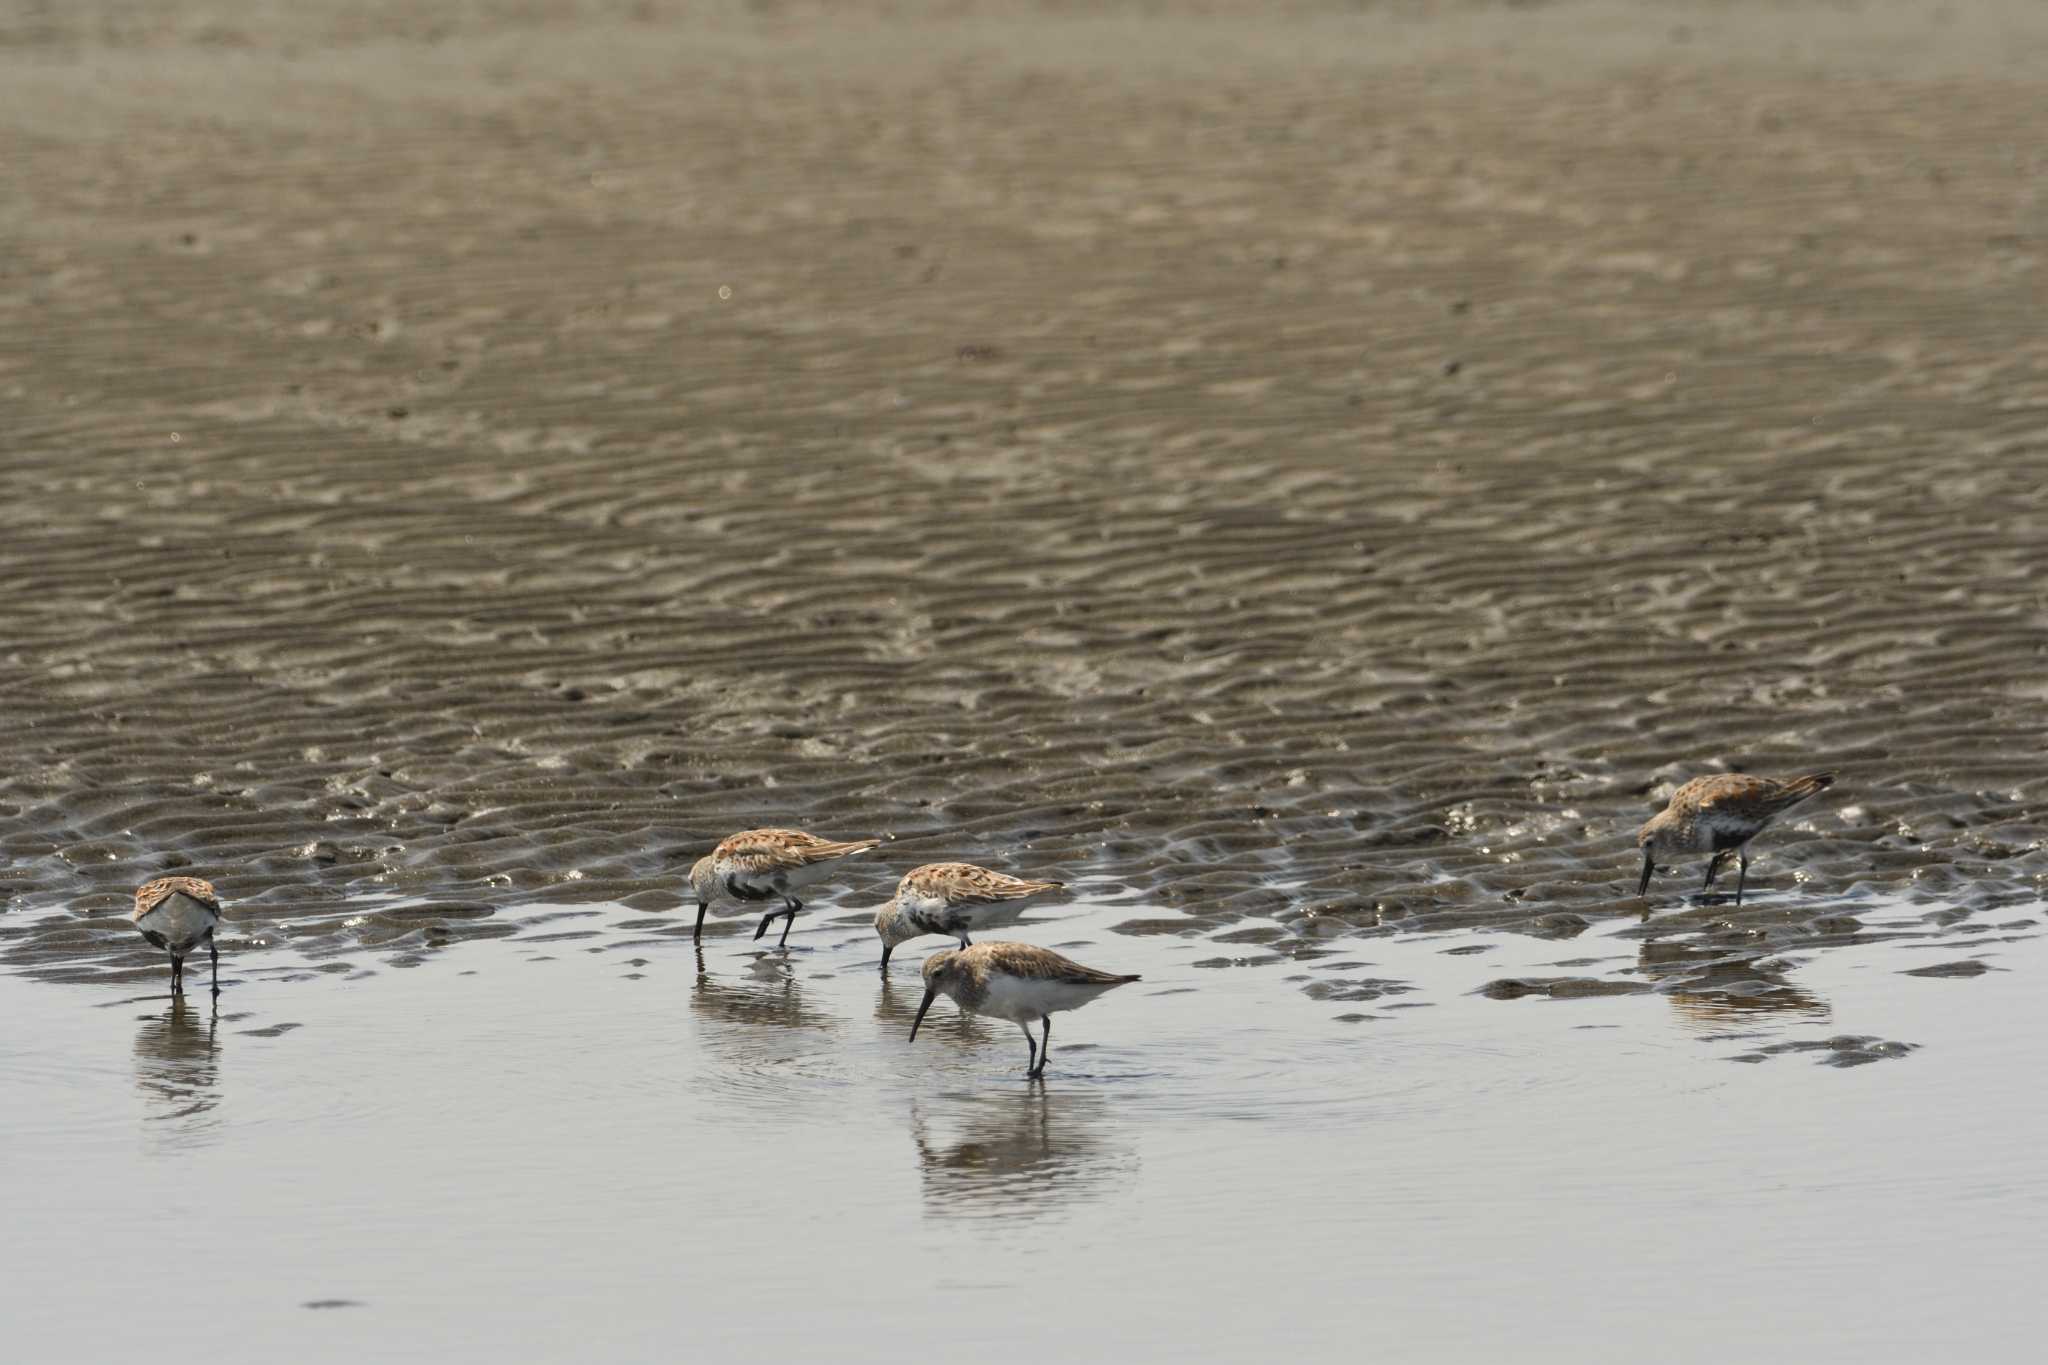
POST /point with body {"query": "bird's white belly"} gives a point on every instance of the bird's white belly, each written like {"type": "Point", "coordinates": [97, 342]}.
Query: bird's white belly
{"type": "Point", "coordinates": [813, 872]}
{"type": "Point", "coordinates": [1027, 998]}
{"type": "Point", "coordinates": [783, 879]}
{"type": "Point", "coordinates": [181, 922]}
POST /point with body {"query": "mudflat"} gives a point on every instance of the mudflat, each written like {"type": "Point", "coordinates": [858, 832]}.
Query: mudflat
{"type": "Point", "coordinates": [1312, 477]}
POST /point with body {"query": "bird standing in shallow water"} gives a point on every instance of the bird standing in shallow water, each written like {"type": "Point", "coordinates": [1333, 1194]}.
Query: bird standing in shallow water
{"type": "Point", "coordinates": [177, 914]}
{"type": "Point", "coordinates": [1013, 981]}
{"type": "Point", "coordinates": [760, 864]}
{"type": "Point", "coordinates": [1719, 815]}
{"type": "Point", "coordinates": [948, 898]}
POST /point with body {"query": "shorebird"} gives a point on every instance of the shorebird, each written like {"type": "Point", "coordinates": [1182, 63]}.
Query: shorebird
{"type": "Point", "coordinates": [761, 864]}
{"type": "Point", "coordinates": [177, 914]}
{"type": "Point", "coordinates": [1013, 981]}
{"type": "Point", "coordinates": [1719, 815]}
{"type": "Point", "coordinates": [947, 898]}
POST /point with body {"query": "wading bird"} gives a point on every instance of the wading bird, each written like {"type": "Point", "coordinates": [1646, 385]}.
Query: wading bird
{"type": "Point", "coordinates": [1719, 815]}
{"type": "Point", "coordinates": [1013, 981]}
{"type": "Point", "coordinates": [765, 864]}
{"type": "Point", "coordinates": [177, 914]}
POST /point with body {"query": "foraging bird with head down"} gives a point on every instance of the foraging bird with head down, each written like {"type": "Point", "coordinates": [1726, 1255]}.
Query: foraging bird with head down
{"type": "Point", "coordinates": [1719, 815]}
{"type": "Point", "coordinates": [1014, 981]}
{"type": "Point", "coordinates": [177, 914]}
{"type": "Point", "coordinates": [763, 864]}
{"type": "Point", "coordinates": [951, 899]}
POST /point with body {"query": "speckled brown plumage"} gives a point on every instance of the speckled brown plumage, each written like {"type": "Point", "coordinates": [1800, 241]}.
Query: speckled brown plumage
{"type": "Point", "coordinates": [767, 864]}
{"type": "Point", "coordinates": [178, 915]}
{"type": "Point", "coordinates": [1015, 981]}
{"type": "Point", "coordinates": [1718, 815]}
{"type": "Point", "coordinates": [948, 898]}
{"type": "Point", "coordinates": [150, 895]}
{"type": "Point", "coordinates": [763, 852]}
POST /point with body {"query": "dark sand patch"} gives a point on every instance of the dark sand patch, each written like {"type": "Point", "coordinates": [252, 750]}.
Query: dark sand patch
{"type": "Point", "coordinates": [1560, 987]}
{"type": "Point", "coordinates": [1966, 968]}
{"type": "Point", "coordinates": [1846, 1050]}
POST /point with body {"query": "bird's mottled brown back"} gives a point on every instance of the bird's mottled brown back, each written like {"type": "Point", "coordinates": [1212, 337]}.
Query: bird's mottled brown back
{"type": "Point", "coordinates": [966, 884]}
{"type": "Point", "coordinates": [1747, 797]}
{"type": "Point", "coordinates": [1034, 963]}
{"type": "Point", "coordinates": [760, 851]}
{"type": "Point", "coordinates": [1725, 809]}
{"type": "Point", "coordinates": [150, 895]}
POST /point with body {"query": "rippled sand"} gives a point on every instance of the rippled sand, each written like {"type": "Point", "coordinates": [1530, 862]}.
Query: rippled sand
{"type": "Point", "coordinates": [1314, 480]}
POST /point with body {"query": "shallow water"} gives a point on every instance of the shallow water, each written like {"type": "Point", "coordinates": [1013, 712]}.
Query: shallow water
{"type": "Point", "coordinates": [1314, 477]}
{"type": "Point", "coordinates": [611, 1143]}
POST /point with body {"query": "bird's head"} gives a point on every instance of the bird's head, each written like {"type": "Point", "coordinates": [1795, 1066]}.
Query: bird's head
{"type": "Point", "coordinates": [703, 880]}
{"type": "Point", "coordinates": [940, 971]}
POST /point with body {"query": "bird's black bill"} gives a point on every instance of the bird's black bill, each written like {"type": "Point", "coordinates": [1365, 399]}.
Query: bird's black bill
{"type": "Point", "coordinates": [702, 906]}
{"type": "Point", "coordinates": [930, 995]}
{"type": "Point", "coordinates": [1649, 866]}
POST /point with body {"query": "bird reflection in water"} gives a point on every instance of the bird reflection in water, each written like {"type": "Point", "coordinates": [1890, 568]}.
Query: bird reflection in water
{"type": "Point", "coordinates": [764, 990]}
{"type": "Point", "coordinates": [177, 1062]}
{"type": "Point", "coordinates": [1035, 1149]}
{"type": "Point", "coordinates": [1716, 987]}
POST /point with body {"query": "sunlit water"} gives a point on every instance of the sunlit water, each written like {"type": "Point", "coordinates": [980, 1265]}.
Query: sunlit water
{"type": "Point", "coordinates": [593, 1141]}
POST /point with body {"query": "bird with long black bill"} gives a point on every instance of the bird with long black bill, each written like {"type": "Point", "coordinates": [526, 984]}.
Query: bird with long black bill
{"type": "Point", "coordinates": [1718, 816]}
{"type": "Point", "coordinates": [1013, 981]}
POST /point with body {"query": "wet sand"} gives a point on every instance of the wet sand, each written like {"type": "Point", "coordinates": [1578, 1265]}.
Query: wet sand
{"type": "Point", "coordinates": [1315, 480]}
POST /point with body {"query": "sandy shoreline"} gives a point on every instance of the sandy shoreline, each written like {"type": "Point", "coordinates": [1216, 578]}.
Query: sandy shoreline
{"type": "Point", "coordinates": [1353, 498]}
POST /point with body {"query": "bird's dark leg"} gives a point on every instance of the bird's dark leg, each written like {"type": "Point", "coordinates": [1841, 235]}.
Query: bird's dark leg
{"type": "Point", "coordinates": [1713, 862]}
{"type": "Point", "coordinates": [1031, 1066]}
{"type": "Point", "coordinates": [177, 977]}
{"type": "Point", "coordinates": [698, 936]}
{"type": "Point", "coordinates": [1742, 856]}
{"type": "Point", "coordinates": [964, 942]}
{"type": "Point", "coordinates": [1044, 1044]}
{"type": "Point", "coordinates": [887, 948]}
{"type": "Point", "coordinates": [788, 918]}
{"type": "Point", "coordinates": [214, 949]}
{"type": "Point", "coordinates": [766, 920]}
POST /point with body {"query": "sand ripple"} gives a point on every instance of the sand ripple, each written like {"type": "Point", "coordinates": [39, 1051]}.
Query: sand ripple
{"type": "Point", "coordinates": [1348, 513]}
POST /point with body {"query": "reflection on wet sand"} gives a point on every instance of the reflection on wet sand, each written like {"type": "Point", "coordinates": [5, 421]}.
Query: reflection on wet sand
{"type": "Point", "coordinates": [762, 991]}
{"type": "Point", "coordinates": [1717, 986]}
{"type": "Point", "coordinates": [1032, 1149]}
{"type": "Point", "coordinates": [177, 1062]}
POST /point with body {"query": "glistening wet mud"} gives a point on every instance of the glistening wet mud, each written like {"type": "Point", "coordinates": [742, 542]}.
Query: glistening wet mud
{"type": "Point", "coordinates": [1312, 480]}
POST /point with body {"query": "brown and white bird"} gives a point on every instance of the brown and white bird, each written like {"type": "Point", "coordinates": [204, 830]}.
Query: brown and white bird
{"type": "Point", "coordinates": [1013, 981]}
{"type": "Point", "coordinates": [1719, 815]}
{"type": "Point", "coordinates": [951, 899]}
{"type": "Point", "coordinates": [765, 864]}
{"type": "Point", "coordinates": [177, 914]}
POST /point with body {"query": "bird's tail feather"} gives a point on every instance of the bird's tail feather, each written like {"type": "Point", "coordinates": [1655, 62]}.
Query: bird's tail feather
{"type": "Point", "coordinates": [1813, 784]}
{"type": "Point", "coordinates": [845, 849]}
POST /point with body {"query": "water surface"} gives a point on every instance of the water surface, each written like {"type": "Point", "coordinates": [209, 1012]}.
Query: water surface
{"type": "Point", "coordinates": [617, 1144]}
